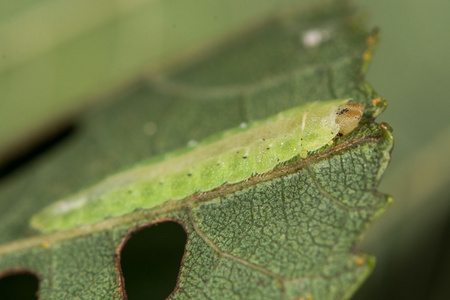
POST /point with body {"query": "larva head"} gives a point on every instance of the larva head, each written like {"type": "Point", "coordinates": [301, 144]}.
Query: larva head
{"type": "Point", "coordinates": [348, 117]}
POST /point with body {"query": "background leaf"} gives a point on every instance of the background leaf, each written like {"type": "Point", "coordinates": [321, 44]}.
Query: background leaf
{"type": "Point", "coordinates": [291, 233]}
{"type": "Point", "coordinates": [410, 69]}
{"type": "Point", "coordinates": [64, 54]}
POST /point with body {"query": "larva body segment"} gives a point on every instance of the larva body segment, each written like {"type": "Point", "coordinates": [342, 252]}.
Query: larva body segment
{"type": "Point", "coordinates": [236, 156]}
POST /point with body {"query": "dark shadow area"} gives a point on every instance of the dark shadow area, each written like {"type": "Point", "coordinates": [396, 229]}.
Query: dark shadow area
{"type": "Point", "coordinates": [439, 287]}
{"type": "Point", "coordinates": [33, 149]}
{"type": "Point", "coordinates": [19, 285]}
{"type": "Point", "coordinates": [151, 259]}
{"type": "Point", "coordinates": [414, 270]}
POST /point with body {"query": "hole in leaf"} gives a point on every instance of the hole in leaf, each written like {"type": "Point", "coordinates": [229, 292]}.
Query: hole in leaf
{"type": "Point", "coordinates": [150, 260]}
{"type": "Point", "coordinates": [23, 285]}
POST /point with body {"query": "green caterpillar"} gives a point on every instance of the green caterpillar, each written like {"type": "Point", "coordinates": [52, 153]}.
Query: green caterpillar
{"type": "Point", "coordinates": [239, 154]}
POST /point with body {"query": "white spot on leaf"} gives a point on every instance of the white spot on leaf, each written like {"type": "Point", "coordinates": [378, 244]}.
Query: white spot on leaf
{"type": "Point", "coordinates": [314, 37]}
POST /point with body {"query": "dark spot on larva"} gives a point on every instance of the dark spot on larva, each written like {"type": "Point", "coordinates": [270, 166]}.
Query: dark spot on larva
{"type": "Point", "coordinates": [217, 164]}
{"type": "Point", "coordinates": [264, 139]}
{"type": "Point", "coordinates": [244, 157]}
{"type": "Point", "coordinates": [339, 134]}
{"type": "Point", "coordinates": [332, 132]}
{"type": "Point", "coordinates": [237, 152]}
{"type": "Point", "coordinates": [268, 148]}
{"type": "Point", "coordinates": [341, 111]}
{"type": "Point", "coordinates": [189, 174]}
{"type": "Point", "coordinates": [278, 159]}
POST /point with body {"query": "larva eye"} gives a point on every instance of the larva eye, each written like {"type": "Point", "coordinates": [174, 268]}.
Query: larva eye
{"type": "Point", "coordinates": [348, 117]}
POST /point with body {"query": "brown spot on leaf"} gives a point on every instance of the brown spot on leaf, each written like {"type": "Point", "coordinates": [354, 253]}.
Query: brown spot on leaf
{"type": "Point", "coordinates": [376, 101]}
{"type": "Point", "coordinates": [360, 260]}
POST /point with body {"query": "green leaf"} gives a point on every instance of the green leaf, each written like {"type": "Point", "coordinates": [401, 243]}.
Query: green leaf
{"type": "Point", "coordinates": [291, 233]}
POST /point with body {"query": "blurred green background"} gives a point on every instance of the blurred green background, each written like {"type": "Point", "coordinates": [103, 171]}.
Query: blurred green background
{"type": "Point", "coordinates": [410, 69]}
{"type": "Point", "coordinates": [72, 53]}
{"type": "Point", "coordinates": [411, 240]}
